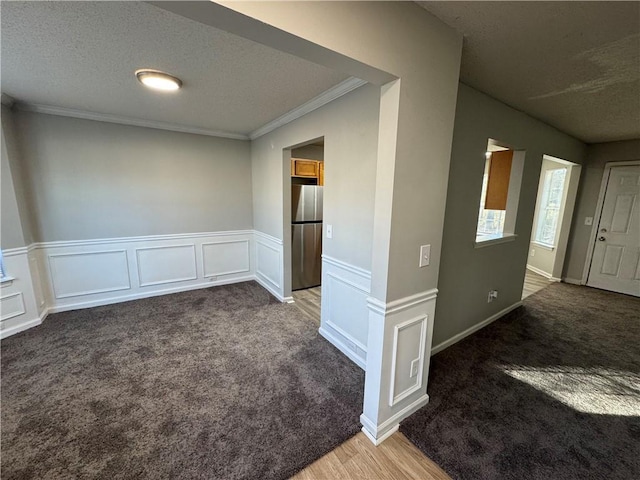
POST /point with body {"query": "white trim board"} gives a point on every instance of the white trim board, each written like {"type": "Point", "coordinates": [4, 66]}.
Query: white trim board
{"type": "Point", "coordinates": [138, 296]}
{"type": "Point", "coordinates": [268, 237]}
{"type": "Point", "coordinates": [321, 100]}
{"type": "Point", "coordinates": [339, 344]}
{"type": "Point", "coordinates": [149, 238]}
{"type": "Point", "coordinates": [379, 434]}
{"type": "Point", "coordinates": [7, 332]}
{"type": "Point", "coordinates": [456, 338]}
{"type": "Point", "coordinates": [538, 271]}
{"type": "Point", "coordinates": [403, 303]}
{"type": "Point", "coordinates": [122, 120]}
{"type": "Point", "coordinates": [347, 266]}
{"type": "Point", "coordinates": [21, 327]}
{"type": "Point", "coordinates": [267, 286]}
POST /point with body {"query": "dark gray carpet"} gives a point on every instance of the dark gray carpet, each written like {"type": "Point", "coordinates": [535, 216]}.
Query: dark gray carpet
{"type": "Point", "coordinates": [222, 383]}
{"type": "Point", "coordinates": [552, 391]}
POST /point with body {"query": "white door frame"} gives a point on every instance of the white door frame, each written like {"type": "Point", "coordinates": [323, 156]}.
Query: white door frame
{"type": "Point", "coordinates": [596, 219]}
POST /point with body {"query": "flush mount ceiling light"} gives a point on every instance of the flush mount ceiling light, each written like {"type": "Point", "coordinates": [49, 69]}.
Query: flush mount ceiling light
{"type": "Point", "coordinates": [158, 80]}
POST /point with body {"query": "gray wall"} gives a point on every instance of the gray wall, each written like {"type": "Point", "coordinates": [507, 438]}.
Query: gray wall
{"type": "Point", "coordinates": [102, 180]}
{"type": "Point", "coordinates": [349, 126]}
{"type": "Point", "coordinates": [311, 152]}
{"type": "Point", "coordinates": [468, 273]}
{"type": "Point", "coordinates": [17, 221]}
{"type": "Point", "coordinates": [11, 227]}
{"type": "Point", "coordinates": [597, 156]}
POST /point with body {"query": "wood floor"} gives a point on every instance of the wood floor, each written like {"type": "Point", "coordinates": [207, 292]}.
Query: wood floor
{"type": "Point", "coordinates": [395, 459]}
{"type": "Point", "coordinates": [309, 302]}
{"type": "Point", "coordinates": [533, 283]}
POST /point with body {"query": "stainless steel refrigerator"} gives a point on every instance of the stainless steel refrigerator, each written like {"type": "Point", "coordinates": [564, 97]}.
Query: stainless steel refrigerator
{"type": "Point", "coordinates": [306, 236]}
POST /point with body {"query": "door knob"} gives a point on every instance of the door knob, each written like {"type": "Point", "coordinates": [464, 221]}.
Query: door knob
{"type": "Point", "coordinates": [602, 239]}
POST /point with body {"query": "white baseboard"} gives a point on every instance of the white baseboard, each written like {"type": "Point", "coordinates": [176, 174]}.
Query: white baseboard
{"type": "Point", "coordinates": [378, 441]}
{"type": "Point", "coordinates": [267, 286]}
{"type": "Point", "coordinates": [138, 296]}
{"type": "Point", "coordinates": [455, 339]}
{"type": "Point", "coordinates": [378, 434]}
{"type": "Point", "coordinates": [4, 333]}
{"type": "Point", "coordinates": [572, 281]}
{"type": "Point", "coordinates": [337, 342]}
{"type": "Point", "coordinates": [539, 271]}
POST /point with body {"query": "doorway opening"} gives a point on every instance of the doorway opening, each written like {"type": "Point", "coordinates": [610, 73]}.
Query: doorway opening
{"type": "Point", "coordinates": [555, 202]}
{"type": "Point", "coordinates": [306, 187]}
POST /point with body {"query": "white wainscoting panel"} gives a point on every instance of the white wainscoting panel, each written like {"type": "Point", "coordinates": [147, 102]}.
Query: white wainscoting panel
{"type": "Point", "coordinates": [344, 312]}
{"type": "Point", "coordinates": [408, 347]}
{"type": "Point", "coordinates": [225, 258]}
{"type": "Point", "coordinates": [67, 275]}
{"type": "Point", "coordinates": [12, 305]}
{"type": "Point", "coordinates": [400, 336]}
{"type": "Point", "coordinates": [269, 264]}
{"type": "Point", "coordinates": [98, 272]}
{"type": "Point", "coordinates": [87, 273]}
{"type": "Point", "coordinates": [166, 264]}
{"type": "Point", "coordinates": [17, 298]}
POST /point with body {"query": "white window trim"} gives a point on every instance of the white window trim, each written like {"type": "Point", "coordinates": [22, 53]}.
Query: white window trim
{"type": "Point", "coordinates": [544, 245]}
{"type": "Point", "coordinates": [513, 199]}
{"type": "Point", "coordinates": [495, 240]}
{"type": "Point", "coordinates": [538, 213]}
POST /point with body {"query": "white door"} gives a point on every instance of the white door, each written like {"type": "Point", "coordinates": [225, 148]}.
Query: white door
{"type": "Point", "coordinates": [615, 264]}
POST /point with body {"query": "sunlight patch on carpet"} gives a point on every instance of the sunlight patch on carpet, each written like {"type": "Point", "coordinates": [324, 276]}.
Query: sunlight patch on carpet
{"type": "Point", "coordinates": [588, 390]}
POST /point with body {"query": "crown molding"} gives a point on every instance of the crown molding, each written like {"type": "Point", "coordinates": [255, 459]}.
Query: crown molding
{"type": "Point", "coordinates": [321, 100]}
{"type": "Point", "coordinates": [136, 122]}
{"type": "Point", "coordinates": [333, 93]}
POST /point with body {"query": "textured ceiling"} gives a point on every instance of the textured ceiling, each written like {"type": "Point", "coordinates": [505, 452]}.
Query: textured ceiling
{"type": "Point", "coordinates": [573, 65]}
{"type": "Point", "coordinates": [82, 55]}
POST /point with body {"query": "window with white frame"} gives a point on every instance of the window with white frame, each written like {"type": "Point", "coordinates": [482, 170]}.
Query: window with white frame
{"type": "Point", "coordinates": [501, 183]}
{"type": "Point", "coordinates": [490, 222]}
{"type": "Point", "coordinates": [549, 209]}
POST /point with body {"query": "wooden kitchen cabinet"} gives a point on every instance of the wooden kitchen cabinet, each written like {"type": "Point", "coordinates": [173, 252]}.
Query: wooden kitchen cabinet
{"type": "Point", "coordinates": [306, 168]}
{"type": "Point", "coordinates": [498, 182]}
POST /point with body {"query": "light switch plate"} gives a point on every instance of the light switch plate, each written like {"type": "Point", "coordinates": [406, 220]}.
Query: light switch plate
{"type": "Point", "coordinates": [588, 221]}
{"type": "Point", "coordinates": [425, 255]}
{"type": "Point", "coordinates": [329, 231]}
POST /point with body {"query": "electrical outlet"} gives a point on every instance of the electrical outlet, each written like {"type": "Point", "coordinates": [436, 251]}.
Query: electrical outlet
{"type": "Point", "coordinates": [493, 294]}
{"type": "Point", "coordinates": [533, 252]}
{"type": "Point", "coordinates": [329, 231]}
{"type": "Point", "coordinates": [425, 255]}
{"type": "Point", "coordinates": [414, 368]}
